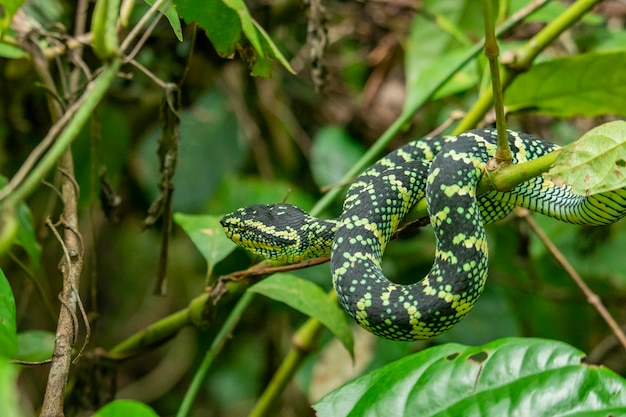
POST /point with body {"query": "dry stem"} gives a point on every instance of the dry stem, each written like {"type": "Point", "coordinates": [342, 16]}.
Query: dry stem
{"type": "Point", "coordinates": [592, 298]}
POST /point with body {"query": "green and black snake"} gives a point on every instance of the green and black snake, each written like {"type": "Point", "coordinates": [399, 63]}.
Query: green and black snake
{"type": "Point", "coordinates": [445, 170]}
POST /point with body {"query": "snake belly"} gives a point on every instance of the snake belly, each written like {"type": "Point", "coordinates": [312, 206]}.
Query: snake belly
{"type": "Point", "coordinates": [445, 171]}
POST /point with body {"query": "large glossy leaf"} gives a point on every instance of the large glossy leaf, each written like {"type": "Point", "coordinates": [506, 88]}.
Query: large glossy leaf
{"type": "Point", "coordinates": [595, 163]}
{"type": "Point", "coordinates": [507, 377]}
{"type": "Point", "coordinates": [309, 299]}
{"type": "Point", "coordinates": [8, 328]}
{"type": "Point", "coordinates": [207, 234]}
{"type": "Point", "coordinates": [582, 85]}
{"type": "Point", "coordinates": [126, 408]}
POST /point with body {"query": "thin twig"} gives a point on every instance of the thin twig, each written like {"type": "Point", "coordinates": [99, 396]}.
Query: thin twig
{"type": "Point", "coordinates": [148, 73]}
{"type": "Point", "coordinates": [592, 298]}
{"type": "Point", "coordinates": [142, 22]}
{"type": "Point", "coordinates": [142, 40]}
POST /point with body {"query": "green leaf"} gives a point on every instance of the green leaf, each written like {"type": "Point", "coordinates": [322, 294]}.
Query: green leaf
{"type": "Point", "coordinates": [207, 234]}
{"type": "Point", "coordinates": [35, 345]}
{"type": "Point", "coordinates": [595, 163]}
{"type": "Point", "coordinates": [309, 299]}
{"type": "Point", "coordinates": [270, 47]}
{"type": "Point", "coordinates": [514, 376]}
{"type": "Point", "coordinates": [171, 15]}
{"type": "Point", "coordinates": [8, 328]}
{"type": "Point", "coordinates": [333, 153]}
{"type": "Point", "coordinates": [224, 21]}
{"type": "Point", "coordinates": [9, 8]}
{"type": "Point", "coordinates": [11, 51]}
{"type": "Point", "coordinates": [9, 394]}
{"type": "Point", "coordinates": [239, 7]}
{"type": "Point", "coordinates": [126, 408]}
{"type": "Point", "coordinates": [220, 22]}
{"type": "Point", "coordinates": [584, 85]}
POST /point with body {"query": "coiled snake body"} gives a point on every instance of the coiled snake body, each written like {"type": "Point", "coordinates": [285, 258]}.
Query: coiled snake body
{"type": "Point", "coordinates": [444, 170]}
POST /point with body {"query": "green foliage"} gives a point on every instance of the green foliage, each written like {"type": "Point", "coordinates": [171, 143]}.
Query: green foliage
{"type": "Point", "coordinates": [213, 148]}
{"type": "Point", "coordinates": [309, 299]}
{"type": "Point", "coordinates": [126, 408]}
{"type": "Point", "coordinates": [224, 22]}
{"type": "Point", "coordinates": [9, 395]}
{"type": "Point", "coordinates": [169, 11]}
{"type": "Point", "coordinates": [582, 85]}
{"type": "Point", "coordinates": [595, 163]}
{"type": "Point", "coordinates": [35, 345]}
{"type": "Point", "coordinates": [8, 332]}
{"type": "Point", "coordinates": [387, 67]}
{"type": "Point", "coordinates": [525, 377]}
{"type": "Point", "coordinates": [11, 51]}
{"type": "Point", "coordinates": [9, 8]}
{"type": "Point", "coordinates": [333, 152]}
{"type": "Point", "coordinates": [206, 233]}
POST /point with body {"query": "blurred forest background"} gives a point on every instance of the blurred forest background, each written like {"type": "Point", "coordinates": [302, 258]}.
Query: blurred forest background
{"type": "Point", "coordinates": [287, 137]}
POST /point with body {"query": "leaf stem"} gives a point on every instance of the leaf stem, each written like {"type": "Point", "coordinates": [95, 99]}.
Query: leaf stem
{"type": "Point", "coordinates": [523, 58]}
{"type": "Point", "coordinates": [217, 345]}
{"type": "Point", "coordinates": [503, 155]}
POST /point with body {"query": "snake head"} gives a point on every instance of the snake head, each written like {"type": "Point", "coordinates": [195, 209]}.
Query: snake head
{"type": "Point", "coordinates": [268, 230]}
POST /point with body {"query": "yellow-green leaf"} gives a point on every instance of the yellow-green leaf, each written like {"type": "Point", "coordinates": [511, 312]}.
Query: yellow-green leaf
{"type": "Point", "coordinates": [595, 163]}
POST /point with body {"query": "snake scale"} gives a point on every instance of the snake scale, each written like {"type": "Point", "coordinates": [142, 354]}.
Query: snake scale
{"type": "Point", "coordinates": [445, 170]}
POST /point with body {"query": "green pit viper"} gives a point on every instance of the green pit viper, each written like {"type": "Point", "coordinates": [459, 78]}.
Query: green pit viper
{"type": "Point", "coordinates": [445, 170]}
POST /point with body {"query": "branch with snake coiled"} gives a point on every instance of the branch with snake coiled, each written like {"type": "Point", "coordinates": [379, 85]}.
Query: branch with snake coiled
{"type": "Point", "coordinates": [445, 170]}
